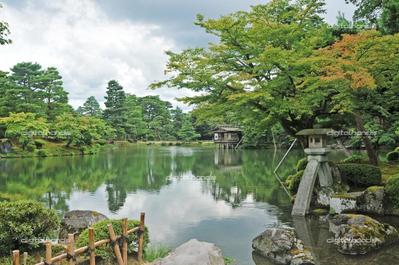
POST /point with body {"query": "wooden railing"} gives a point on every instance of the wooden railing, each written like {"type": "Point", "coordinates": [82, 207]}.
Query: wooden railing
{"type": "Point", "coordinates": [71, 251]}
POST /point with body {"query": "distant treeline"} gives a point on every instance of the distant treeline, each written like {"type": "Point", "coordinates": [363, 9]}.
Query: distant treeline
{"type": "Point", "coordinates": [34, 104]}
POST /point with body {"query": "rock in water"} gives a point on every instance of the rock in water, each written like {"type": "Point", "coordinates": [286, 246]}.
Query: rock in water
{"type": "Point", "coordinates": [282, 246]}
{"type": "Point", "coordinates": [193, 252]}
{"type": "Point", "coordinates": [357, 234]}
{"type": "Point", "coordinates": [75, 222]}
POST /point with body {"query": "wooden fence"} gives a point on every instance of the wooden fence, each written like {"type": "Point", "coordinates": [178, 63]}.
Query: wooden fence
{"type": "Point", "coordinates": [71, 252]}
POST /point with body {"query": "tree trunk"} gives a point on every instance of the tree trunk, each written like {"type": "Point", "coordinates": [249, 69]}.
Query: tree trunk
{"type": "Point", "coordinates": [369, 147]}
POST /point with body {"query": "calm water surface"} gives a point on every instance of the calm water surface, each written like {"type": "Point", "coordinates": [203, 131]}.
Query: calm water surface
{"type": "Point", "coordinates": [224, 197]}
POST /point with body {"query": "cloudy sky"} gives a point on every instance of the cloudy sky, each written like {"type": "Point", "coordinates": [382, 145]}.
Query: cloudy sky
{"type": "Point", "coordinates": [94, 41]}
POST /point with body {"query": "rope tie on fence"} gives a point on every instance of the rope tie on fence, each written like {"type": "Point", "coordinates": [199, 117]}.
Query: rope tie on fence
{"type": "Point", "coordinates": [140, 232]}
{"type": "Point", "coordinates": [89, 251]}
{"type": "Point", "coordinates": [69, 257]}
{"type": "Point", "coordinates": [123, 239]}
{"type": "Point", "coordinates": [113, 242]}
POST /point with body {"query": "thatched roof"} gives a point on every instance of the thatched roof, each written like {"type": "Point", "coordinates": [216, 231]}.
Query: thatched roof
{"type": "Point", "coordinates": [307, 132]}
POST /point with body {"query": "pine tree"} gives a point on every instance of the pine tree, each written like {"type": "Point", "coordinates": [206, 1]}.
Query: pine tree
{"type": "Point", "coordinates": [53, 94]}
{"type": "Point", "coordinates": [115, 112]}
{"type": "Point", "coordinates": [91, 107]}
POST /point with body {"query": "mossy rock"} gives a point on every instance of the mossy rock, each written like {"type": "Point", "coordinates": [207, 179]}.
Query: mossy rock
{"type": "Point", "coordinates": [320, 212]}
{"type": "Point", "coordinates": [293, 181]}
{"type": "Point", "coordinates": [357, 234]}
{"type": "Point", "coordinates": [301, 164]}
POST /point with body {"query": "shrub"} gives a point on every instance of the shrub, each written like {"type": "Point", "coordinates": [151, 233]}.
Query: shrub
{"type": "Point", "coordinates": [30, 147]}
{"type": "Point", "coordinates": [301, 165]}
{"type": "Point", "coordinates": [360, 175]}
{"type": "Point", "coordinates": [105, 252]}
{"type": "Point", "coordinates": [39, 143]}
{"type": "Point", "coordinates": [393, 156]}
{"type": "Point", "coordinates": [356, 159]}
{"type": "Point", "coordinates": [103, 141]}
{"type": "Point", "coordinates": [293, 181]}
{"type": "Point", "coordinates": [25, 220]}
{"type": "Point", "coordinates": [41, 153]}
{"type": "Point", "coordinates": [391, 189]}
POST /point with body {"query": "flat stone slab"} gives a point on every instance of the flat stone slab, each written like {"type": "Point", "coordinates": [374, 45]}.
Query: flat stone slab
{"type": "Point", "coordinates": [345, 202]}
{"type": "Point", "coordinates": [193, 252]}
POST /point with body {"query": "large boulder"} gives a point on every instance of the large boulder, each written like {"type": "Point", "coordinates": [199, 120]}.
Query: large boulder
{"type": "Point", "coordinates": [356, 234]}
{"type": "Point", "coordinates": [369, 201]}
{"type": "Point", "coordinates": [74, 222]}
{"type": "Point", "coordinates": [193, 252]}
{"type": "Point", "coordinates": [372, 200]}
{"type": "Point", "coordinates": [282, 246]}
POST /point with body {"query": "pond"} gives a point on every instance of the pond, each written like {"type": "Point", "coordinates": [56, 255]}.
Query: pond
{"type": "Point", "coordinates": [220, 196]}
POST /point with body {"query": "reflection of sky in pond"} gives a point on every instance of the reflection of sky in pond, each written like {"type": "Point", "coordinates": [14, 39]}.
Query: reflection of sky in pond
{"type": "Point", "coordinates": [224, 197]}
{"type": "Point", "coordinates": [184, 210]}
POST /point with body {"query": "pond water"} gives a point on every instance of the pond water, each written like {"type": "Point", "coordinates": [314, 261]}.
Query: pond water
{"type": "Point", "coordinates": [224, 197]}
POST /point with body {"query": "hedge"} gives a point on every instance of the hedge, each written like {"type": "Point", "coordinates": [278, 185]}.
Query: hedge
{"type": "Point", "coordinates": [360, 175]}
{"type": "Point", "coordinates": [23, 223]}
{"type": "Point", "coordinates": [392, 190]}
{"type": "Point", "coordinates": [356, 159]}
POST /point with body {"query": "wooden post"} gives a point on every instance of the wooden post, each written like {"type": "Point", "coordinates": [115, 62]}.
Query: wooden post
{"type": "Point", "coordinates": [15, 257]}
{"type": "Point", "coordinates": [25, 258]}
{"type": "Point", "coordinates": [117, 250]}
{"type": "Point", "coordinates": [141, 238]}
{"type": "Point", "coordinates": [92, 247]}
{"type": "Point", "coordinates": [48, 252]}
{"type": "Point", "coordinates": [124, 244]}
{"type": "Point", "coordinates": [71, 249]}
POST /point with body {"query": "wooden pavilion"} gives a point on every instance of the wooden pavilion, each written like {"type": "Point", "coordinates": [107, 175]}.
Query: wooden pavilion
{"type": "Point", "coordinates": [227, 136]}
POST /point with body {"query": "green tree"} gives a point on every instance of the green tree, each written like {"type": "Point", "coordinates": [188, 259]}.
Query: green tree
{"type": "Point", "coordinates": [53, 94]}
{"type": "Point", "coordinates": [4, 31]}
{"type": "Point", "coordinates": [115, 111]}
{"type": "Point", "coordinates": [6, 105]}
{"type": "Point", "coordinates": [26, 79]}
{"type": "Point", "coordinates": [81, 130]}
{"type": "Point", "coordinates": [156, 114]}
{"type": "Point", "coordinates": [383, 14]}
{"type": "Point", "coordinates": [23, 127]}
{"type": "Point", "coordinates": [257, 74]}
{"type": "Point", "coordinates": [136, 127]}
{"type": "Point", "coordinates": [91, 107]}
{"type": "Point", "coordinates": [187, 131]}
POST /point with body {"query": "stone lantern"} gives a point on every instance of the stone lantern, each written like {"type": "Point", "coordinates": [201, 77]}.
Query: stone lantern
{"type": "Point", "coordinates": [317, 167]}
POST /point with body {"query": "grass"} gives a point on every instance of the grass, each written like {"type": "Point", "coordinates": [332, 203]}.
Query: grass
{"type": "Point", "coordinates": [388, 170]}
{"type": "Point", "coordinates": [229, 261]}
{"type": "Point", "coordinates": [153, 253]}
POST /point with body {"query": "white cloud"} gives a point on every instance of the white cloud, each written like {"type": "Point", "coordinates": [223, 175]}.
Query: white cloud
{"type": "Point", "coordinates": [88, 47]}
